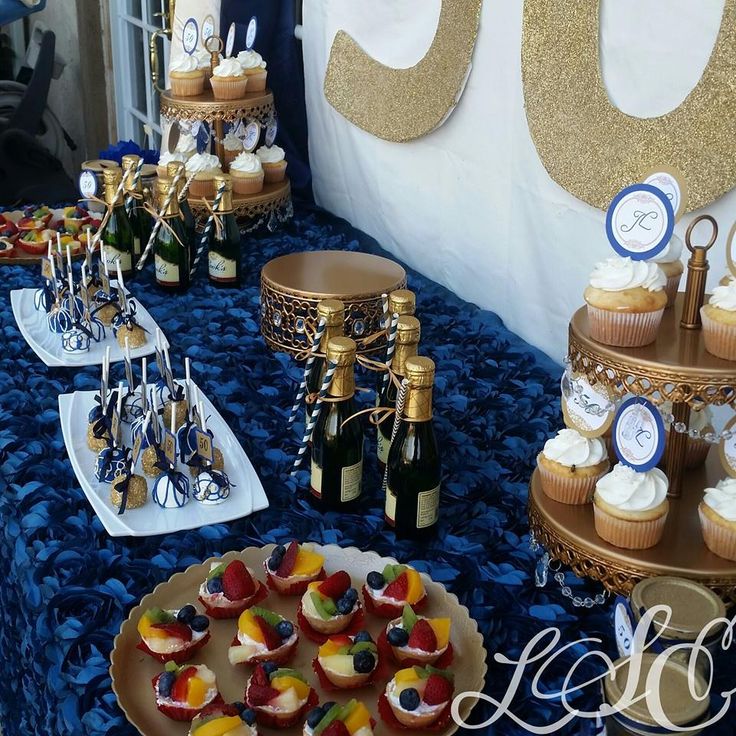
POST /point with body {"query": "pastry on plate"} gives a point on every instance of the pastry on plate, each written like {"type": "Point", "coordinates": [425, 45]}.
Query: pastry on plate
{"type": "Point", "coordinates": [182, 691]}
{"type": "Point", "coordinates": [416, 640]}
{"type": "Point", "coordinates": [333, 719]}
{"type": "Point", "coordinates": [417, 697]}
{"type": "Point", "coordinates": [290, 569]}
{"type": "Point", "coordinates": [263, 636]}
{"type": "Point", "coordinates": [386, 593]}
{"type": "Point", "coordinates": [279, 696]}
{"type": "Point", "coordinates": [229, 589]}
{"type": "Point", "coordinates": [346, 662]}
{"type": "Point", "coordinates": [234, 719]}
{"type": "Point", "coordinates": [329, 606]}
{"type": "Point", "coordinates": [173, 635]}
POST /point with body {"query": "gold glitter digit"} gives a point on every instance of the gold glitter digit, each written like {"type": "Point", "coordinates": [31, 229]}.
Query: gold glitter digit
{"type": "Point", "coordinates": [591, 148]}
{"type": "Point", "coordinates": [403, 104]}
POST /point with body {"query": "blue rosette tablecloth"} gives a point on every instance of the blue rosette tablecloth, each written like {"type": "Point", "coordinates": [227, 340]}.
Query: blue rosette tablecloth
{"type": "Point", "coordinates": [67, 586]}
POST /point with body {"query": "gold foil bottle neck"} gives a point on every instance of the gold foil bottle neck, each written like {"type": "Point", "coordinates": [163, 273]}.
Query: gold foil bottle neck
{"type": "Point", "coordinates": [408, 330]}
{"type": "Point", "coordinates": [163, 187]}
{"type": "Point", "coordinates": [226, 202]}
{"type": "Point", "coordinates": [173, 169]}
{"type": "Point", "coordinates": [420, 371]}
{"type": "Point", "coordinates": [341, 350]}
{"type": "Point", "coordinates": [333, 312]}
{"type": "Point", "coordinates": [402, 301]}
{"type": "Point", "coordinates": [112, 179]}
{"type": "Point", "coordinates": [130, 163]}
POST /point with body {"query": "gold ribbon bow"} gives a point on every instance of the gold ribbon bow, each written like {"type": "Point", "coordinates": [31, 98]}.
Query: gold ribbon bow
{"type": "Point", "coordinates": [162, 221]}
{"type": "Point", "coordinates": [216, 217]}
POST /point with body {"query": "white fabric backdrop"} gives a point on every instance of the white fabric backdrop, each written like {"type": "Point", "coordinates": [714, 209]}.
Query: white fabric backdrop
{"type": "Point", "coordinates": [471, 205]}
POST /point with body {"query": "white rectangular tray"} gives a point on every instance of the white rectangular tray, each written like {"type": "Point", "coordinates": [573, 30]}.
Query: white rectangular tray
{"type": "Point", "coordinates": [246, 496]}
{"type": "Point", "coordinates": [47, 345]}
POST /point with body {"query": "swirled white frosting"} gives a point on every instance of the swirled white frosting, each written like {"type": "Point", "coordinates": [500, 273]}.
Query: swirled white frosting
{"type": "Point", "coordinates": [722, 498]}
{"type": "Point", "coordinates": [232, 142]}
{"type": "Point", "coordinates": [619, 274]}
{"type": "Point", "coordinates": [251, 60]}
{"type": "Point", "coordinates": [201, 162]}
{"type": "Point", "coordinates": [699, 419]}
{"type": "Point", "coordinates": [187, 145]}
{"type": "Point", "coordinates": [570, 448]}
{"type": "Point", "coordinates": [629, 490]}
{"type": "Point", "coordinates": [168, 157]}
{"type": "Point", "coordinates": [724, 297]}
{"type": "Point", "coordinates": [248, 163]}
{"type": "Point", "coordinates": [271, 155]}
{"type": "Point", "coordinates": [204, 58]}
{"type": "Point", "coordinates": [184, 63]}
{"type": "Point", "coordinates": [228, 68]}
{"type": "Point", "coordinates": [672, 251]}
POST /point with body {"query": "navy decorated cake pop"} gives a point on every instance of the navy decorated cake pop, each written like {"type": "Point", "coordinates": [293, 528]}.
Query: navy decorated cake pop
{"type": "Point", "coordinates": [211, 487]}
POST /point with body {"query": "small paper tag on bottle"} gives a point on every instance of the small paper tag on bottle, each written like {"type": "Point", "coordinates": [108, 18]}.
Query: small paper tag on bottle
{"type": "Point", "coordinates": [170, 447]}
{"type": "Point", "coordinates": [137, 447]}
{"type": "Point", "coordinates": [204, 446]}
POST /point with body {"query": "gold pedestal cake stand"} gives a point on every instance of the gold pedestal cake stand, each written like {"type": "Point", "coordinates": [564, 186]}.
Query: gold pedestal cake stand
{"type": "Point", "coordinates": [677, 368]}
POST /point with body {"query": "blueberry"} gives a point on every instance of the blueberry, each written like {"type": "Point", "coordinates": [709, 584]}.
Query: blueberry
{"type": "Point", "coordinates": [279, 550]}
{"type": "Point", "coordinates": [351, 594]}
{"type": "Point", "coordinates": [344, 606]}
{"type": "Point", "coordinates": [273, 563]}
{"type": "Point", "coordinates": [248, 715]}
{"type": "Point", "coordinates": [364, 662]}
{"type": "Point", "coordinates": [199, 623]}
{"type": "Point", "coordinates": [363, 636]}
{"type": "Point", "coordinates": [409, 699]}
{"type": "Point", "coordinates": [397, 637]}
{"type": "Point", "coordinates": [326, 706]}
{"type": "Point", "coordinates": [284, 629]}
{"type": "Point", "coordinates": [375, 580]}
{"type": "Point", "coordinates": [186, 614]}
{"type": "Point", "coordinates": [214, 585]}
{"type": "Point", "coordinates": [165, 683]}
{"type": "Point", "coordinates": [270, 667]}
{"type": "Point", "coordinates": [239, 706]}
{"type": "Point", "coordinates": [314, 717]}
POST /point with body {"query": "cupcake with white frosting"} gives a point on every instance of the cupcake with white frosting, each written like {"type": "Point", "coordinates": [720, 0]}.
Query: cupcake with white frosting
{"type": "Point", "coordinates": [204, 63]}
{"type": "Point", "coordinates": [247, 173]}
{"type": "Point", "coordinates": [255, 69]}
{"type": "Point", "coordinates": [228, 80]}
{"type": "Point", "coordinates": [166, 158]}
{"type": "Point", "coordinates": [233, 147]}
{"type": "Point", "coordinates": [626, 301]}
{"type": "Point", "coordinates": [630, 508]}
{"type": "Point", "coordinates": [205, 167]}
{"type": "Point", "coordinates": [187, 79]}
{"type": "Point", "coordinates": [186, 146]}
{"type": "Point", "coordinates": [570, 465]}
{"type": "Point", "coordinates": [669, 260]}
{"type": "Point", "coordinates": [273, 160]}
{"type": "Point", "coordinates": [719, 322]}
{"type": "Point", "coordinates": [697, 450]}
{"type": "Point", "coordinates": [717, 513]}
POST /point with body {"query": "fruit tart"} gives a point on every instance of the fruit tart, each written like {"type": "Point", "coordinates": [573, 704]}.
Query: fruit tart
{"type": "Point", "coordinates": [333, 719]}
{"type": "Point", "coordinates": [416, 640]}
{"type": "Point", "coordinates": [8, 230]}
{"type": "Point", "coordinates": [329, 607]}
{"type": "Point", "coordinates": [291, 568]}
{"type": "Point", "coordinates": [173, 635]}
{"type": "Point", "coordinates": [7, 249]}
{"type": "Point", "coordinates": [34, 219]}
{"type": "Point", "coordinates": [263, 635]}
{"type": "Point", "coordinates": [386, 593]}
{"type": "Point", "coordinates": [183, 690]}
{"type": "Point", "coordinates": [75, 218]}
{"type": "Point", "coordinates": [417, 697]}
{"type": "Point", "coordinates": [229, 589]}
{"type": "Point", "coordinates": [234, 719]}
{"type": "Point", "coordinates": [279, 696]}
{"type": "Point", "coordinates": [35, 242]}
{"type": "Point", "coordinates": [346, 662]}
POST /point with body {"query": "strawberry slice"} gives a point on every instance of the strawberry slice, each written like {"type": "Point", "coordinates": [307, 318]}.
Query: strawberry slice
{"type": "Point", "coordinates": [237, 582]}
{"type": "Point", "coordinates": [181, 686]}
{"type": "Point", "coordinates": [287, 563]}
{"type": "Point", "coordinates": [335, 586]}
{"type": "Point", "coordinates": [177, 630]}
{"type": "Point", "coordinates": [398, 589]}
{"type": "Point", "coordinates": [336, 728]}
{"type": "Point", "coordinates": [437, 690]}
{"type": "Point", "coordinates": [260, 695]}
{"type": "Point", "coordinates": [260, 677]}
{"type": "Point", "coordinates": [271, 638]}
{"type": "Point", "coordinates": [423, 637]}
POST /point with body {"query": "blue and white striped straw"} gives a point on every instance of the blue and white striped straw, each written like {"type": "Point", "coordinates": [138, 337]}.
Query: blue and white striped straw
{"type": "Point", "coordinates": [302, 390]}
{"type": "Point", "coordinates": [400, 401]}
{"type": "Point", "coordinates": [391, 345]}
{"type": "Point", "coordinates": [207, 230]}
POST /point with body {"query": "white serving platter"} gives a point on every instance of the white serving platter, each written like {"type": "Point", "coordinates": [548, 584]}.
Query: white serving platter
{"type": "Point", "coordinates": [246, 496]}
{"type": "Point", "coordinates": [47, 345]}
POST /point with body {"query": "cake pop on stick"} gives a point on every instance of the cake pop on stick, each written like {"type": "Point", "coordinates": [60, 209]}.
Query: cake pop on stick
{"type": "Point", "coordinates": [152, 455]}
{"type": "Point", "coordinates": [124, 326]}
{"type": "Point", "coordinates": [113, 459]}
{"type": "Point", "coordinates": [211, 484]}
{"type": "Point", "coordinates": [98, 421]}
{"type": "Point", "coordinates": [171, 489]}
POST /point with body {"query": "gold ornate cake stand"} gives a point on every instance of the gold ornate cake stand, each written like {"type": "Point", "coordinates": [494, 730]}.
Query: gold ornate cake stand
{"type": "Point", "coordinates": [274, 198]}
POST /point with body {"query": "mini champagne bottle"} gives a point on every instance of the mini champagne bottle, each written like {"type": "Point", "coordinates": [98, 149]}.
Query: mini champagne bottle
{"type": "Point", "coordinates": [402, 302]}
{"type": "Point", "coordinates": [140, 220]}
{"type": "Point", "coordinates": [172, 169]}
{"type": "Point", "coordinates": [224, 246]}
{"type": "Point", "coordinates": [337, 449]}
{"type": "Point", "coordinates": [407, 344]}
{"type": "Point", "coordinates": [117, 240]}
{"type": "Point", "coordinates": [171, 248]}
{"type": "Point", "coordinates": [333, 312]}
{"type": "Point", "coordinates": [414, 470]}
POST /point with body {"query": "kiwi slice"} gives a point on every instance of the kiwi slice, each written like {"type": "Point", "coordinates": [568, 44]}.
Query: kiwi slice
{"type": "Point", "coordinates": [408, 619]}
{"type": "Point", "coordinates": [320, 604]}
{"type": "Point", "coordinates": [347, 709]}
{"type": "Point", "coordinates": [159, 616]}
{"type": "Point", "coordinates": [362, 646]}
{"type": "Point", "coordinates": [442, 673]}
{"type": "Point", "coordinates": [286, 672]}
{"type": "Point", "coordinates": [171, 666]}
{"type": "Point", "coordinates": [388, 574]}
{"type": "Point", "coordinates": [271, 618]}
{"type": "Point", "coordinates": [345, 650]}
{"type": "Point", "coordinates": [331, 715]}
{"type": "Point", "coordinates": [215, 572]}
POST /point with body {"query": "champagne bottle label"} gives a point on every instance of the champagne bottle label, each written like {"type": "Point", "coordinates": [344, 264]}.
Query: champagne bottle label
{"type": "Point", "coordinates": [316, 481]}
{"type": "Point", "coordinates": [166, 272]}
{"type": "Point", "coordinates": [112, 256]}
{"type": "Point", "coordinates": [382, 447]}
{"type": "Point", "coordinates": [350, 481]}
{"type": "Point", "coordinates": [221, 268]}
{"type": "Point", "coordinates": [428, 508]}
{"type": "Point", "coordinates": [390, 510]}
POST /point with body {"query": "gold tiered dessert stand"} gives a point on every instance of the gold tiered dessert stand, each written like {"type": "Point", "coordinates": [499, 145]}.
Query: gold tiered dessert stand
{"type": "Point", "coordinates": [677, 368]}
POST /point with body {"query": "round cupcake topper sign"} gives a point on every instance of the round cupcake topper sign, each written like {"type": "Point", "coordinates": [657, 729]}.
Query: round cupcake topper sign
{"type": "Point", "coordinates": [638, 434]}
{"type": "Point", "coordinates": [190, 36]}
{"type": "Point", "coordinates": [250, 35]}
{"type": "Point", "coordinates": [208, 27]}
{"type": "Point", "coordinates": [640, 222]}
{"type": "Point", "coordinates": [728, 450]}
{"type": "Point", "coordinates": [672, 183]}
{"type": "Point", "coordinates": [251, 135]}
{"type": "Point", "coordinates": [271, 131]}
{"type": "Point", "coordinates": [730, 246]}
{"type": "Point", "coordinates": [88, 184]}
{"type": "Point", "coordinates": [588, 409]}
{"type": "Point", "coordinates": [230, 43]}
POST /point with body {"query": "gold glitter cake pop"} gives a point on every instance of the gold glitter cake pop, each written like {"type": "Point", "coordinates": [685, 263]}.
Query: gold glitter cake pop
{"type": "Point", "coordinates": [137, 492]}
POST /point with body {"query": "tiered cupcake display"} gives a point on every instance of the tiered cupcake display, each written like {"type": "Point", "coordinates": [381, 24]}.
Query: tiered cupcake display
{"type": "Point", "coordinates": [229, 90]}
{"type": "Point", "coordinates": [641, 375]}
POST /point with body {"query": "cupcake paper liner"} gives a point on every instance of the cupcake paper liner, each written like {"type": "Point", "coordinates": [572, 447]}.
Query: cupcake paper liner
{"type": "Point", "coordinates": [389, 610]}
{"type": "Point", "coordinates": [624, 329]}
{"type": "Point", "coordinates": [229, 88]}
{"type": "Point", "coordinates": [574, 491]}
{"type": "Point", "coordinates": [202, 188]}
{"type": "Point", "coordinates": [386, 651]}
{"type": "Point", "coordinates": [183, 713]}
{"type": "Point", "coordinates": [388, 717]}
{"type": "Point", "coordinates": [718, 539]}
{"type": "Point", "coordinates": [272, 173]}
{"type": "Point", "coordinates": [248, 184]}
{"type": "Point", "coordinates": [720, 339]}
{"type": "Point", "coordinates": [223, 612]}
{"type": "Point", "coordinates": [327, 684]}
{"type": "Point", "coordinates": [257, 81]}
{"type": "Point", "coordinates": [269, 720]}
{"type": "Point", "coordinates": [353, 627]}
{"type": "Point", "coordinates": [230, 156]}
{"type": "Point", "coordinates": [179, 657]}
{"type": "Point", "coordinates": [671, 287]}
{"type": "Point", "coordinates": [286, 656]}
{"type": "Point", "coordinates": [628, 534]}
{"type": "Point", "coordinates": [297, 588]}
{"type": "Point", "coordinates": [187, 86]}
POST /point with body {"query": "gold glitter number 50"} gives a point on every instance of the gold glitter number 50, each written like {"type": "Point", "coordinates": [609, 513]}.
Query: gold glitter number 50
{"type": "Point", "coordinates": [404, 104]}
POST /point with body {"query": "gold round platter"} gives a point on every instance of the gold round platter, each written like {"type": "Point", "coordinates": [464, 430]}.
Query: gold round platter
{"type": "Point", "coordinates": [132, 671]}
{"type": "Point", "coordinates": [676, 366]}
{"type": "Point", "coordinates": [255, 105]}
{"type": "Point", "coordinates": [273, 198]}
{"type": "Point", "coordinates": [568, 535]}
